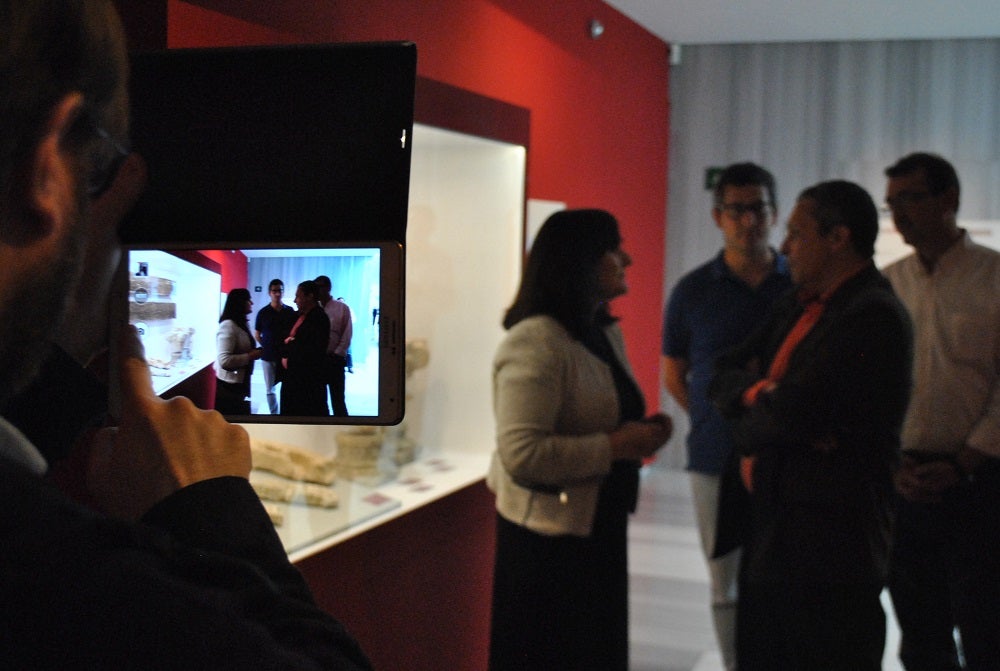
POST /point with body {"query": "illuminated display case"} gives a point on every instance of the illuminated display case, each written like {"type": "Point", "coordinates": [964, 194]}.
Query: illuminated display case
{"type": "Point", "coordinates": [176, 324]}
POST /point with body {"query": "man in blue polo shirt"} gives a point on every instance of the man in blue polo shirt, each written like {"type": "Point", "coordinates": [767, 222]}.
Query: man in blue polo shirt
{"type": "Point", "coordinates": [713, 308]}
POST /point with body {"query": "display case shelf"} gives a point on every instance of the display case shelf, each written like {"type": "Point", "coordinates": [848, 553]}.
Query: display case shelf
{"type": "Point", "coordinates": [308, 530]}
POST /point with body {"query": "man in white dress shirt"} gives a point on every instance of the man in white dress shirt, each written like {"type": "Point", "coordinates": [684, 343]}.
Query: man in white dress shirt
{"type": "Point", "coordinates": [945, 573]}
{"type": "Point", "coordinates": [341, 331]}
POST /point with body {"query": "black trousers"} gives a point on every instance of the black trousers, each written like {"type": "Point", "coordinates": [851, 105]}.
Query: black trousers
{"type": "Point", "coordinates": [231, 397]}
{"type": "Point", "coordinates": [337, 383]}
{"type": "Point", "coordinates": [945, 574]}
{"type": "Point", "coordinates": [809, 627]}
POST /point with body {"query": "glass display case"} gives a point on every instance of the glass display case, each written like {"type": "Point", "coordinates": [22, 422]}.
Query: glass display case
{"type": "Point", "coordinates": [177, 329]}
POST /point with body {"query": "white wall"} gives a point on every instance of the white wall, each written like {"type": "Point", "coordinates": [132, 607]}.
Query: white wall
{"type": "Point", "coordinates": [463, 261]}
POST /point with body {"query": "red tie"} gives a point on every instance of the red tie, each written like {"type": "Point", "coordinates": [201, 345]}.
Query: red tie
{"type": "Point", "coordinates": [291, 334]}
{"type": "Point", "coordinates": [777, 369]}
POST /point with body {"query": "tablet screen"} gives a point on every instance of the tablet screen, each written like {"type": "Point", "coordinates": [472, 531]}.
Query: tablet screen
{"type": "Point", "coordinates": [254, 359]}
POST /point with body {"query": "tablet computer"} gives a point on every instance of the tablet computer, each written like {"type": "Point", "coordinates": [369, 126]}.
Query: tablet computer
{"type": "Point", "coordinates": [262, 153]}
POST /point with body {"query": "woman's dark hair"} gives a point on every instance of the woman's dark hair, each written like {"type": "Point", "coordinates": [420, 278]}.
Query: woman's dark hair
{"type": "Point", "coordinates": [236, 308]}
{"type": "Point", "coordinates": [560, 275]}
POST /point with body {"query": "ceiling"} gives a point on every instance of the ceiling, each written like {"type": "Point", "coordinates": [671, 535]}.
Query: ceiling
{"type": "Point", "coordinates": [730, 21]}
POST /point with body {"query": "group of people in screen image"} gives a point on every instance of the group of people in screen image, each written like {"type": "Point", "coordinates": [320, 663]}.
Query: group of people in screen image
{"type": "Point", "coordinates": [304, 353]}
{"type": "Point", "coordinates": [845, 421]}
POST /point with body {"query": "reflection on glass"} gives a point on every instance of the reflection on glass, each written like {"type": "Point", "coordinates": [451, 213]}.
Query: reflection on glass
{"type": "Point", "coordinates": [176, 325]}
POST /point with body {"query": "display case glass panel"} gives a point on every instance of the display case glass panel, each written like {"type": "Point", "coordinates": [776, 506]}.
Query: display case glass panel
{"type": "Point", "coordinates": [174, 304]}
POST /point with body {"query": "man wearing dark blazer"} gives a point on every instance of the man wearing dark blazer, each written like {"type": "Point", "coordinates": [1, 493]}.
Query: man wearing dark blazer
{"type": "Point", "coordinates": [173, 562]}
{"type": "Point", "coordinates": [817, 397]}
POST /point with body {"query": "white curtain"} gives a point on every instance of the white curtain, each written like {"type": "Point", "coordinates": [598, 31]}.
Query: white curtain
{"type": "Point", "coordinates": [354, 278]}
{"type": "Point", "coordinates": [816, 111]}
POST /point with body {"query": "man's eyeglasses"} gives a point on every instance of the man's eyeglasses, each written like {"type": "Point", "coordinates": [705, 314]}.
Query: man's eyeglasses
{"type": "Point", "coordinates": [737, 210]}
{"type": "Point", "coordinates": [105, 163]}
{"type": "Point", "coordinates": [905, 199]}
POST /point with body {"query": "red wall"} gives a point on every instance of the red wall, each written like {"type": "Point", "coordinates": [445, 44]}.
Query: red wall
{"type": "Point", "coordinates": [234, 268]}
{"type": "Point", "coordinates": [599, 108]}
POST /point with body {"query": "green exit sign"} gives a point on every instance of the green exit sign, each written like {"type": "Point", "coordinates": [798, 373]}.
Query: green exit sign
{"type": "Point", "coordinates": [711, 177]}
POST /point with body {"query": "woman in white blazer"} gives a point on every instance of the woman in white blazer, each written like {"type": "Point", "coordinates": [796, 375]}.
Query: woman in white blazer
{"type": "Point", "coordinates": [236, 352]}
{"type": "Point", "coordinates": [571, 435]}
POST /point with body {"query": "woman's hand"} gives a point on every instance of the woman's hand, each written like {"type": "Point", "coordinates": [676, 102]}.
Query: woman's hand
{"type": "Point", "coordinates": [636, 441]}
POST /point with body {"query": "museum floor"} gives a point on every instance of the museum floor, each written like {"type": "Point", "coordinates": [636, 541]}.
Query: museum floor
{"type": "Point", "coordinates": [671, 626]}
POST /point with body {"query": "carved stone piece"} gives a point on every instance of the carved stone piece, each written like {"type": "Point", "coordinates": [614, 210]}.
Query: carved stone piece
{"type": "Point", "coordinates": [358, 451]}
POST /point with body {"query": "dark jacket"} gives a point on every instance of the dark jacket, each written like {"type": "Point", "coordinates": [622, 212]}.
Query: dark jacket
{"type": "Point", "coordinates": [825, 441]}
{"type": "Point", "coordinates": [201, 582]}
{"type": "Point", "coordinates": [303, 386]}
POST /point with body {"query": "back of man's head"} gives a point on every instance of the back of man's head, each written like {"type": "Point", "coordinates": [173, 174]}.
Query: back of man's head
{"type": "Point", "coordinates": [49, 48]}
{"type": "Point", "coordinates": [842, 203]}
{"type": "Point", "coordinates": [324, 286]}
{"type": "Point", "coordinates": [745, 174]}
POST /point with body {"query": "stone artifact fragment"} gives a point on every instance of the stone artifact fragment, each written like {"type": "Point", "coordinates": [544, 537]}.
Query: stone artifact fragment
{"type": "Point", "coordinates": [292, 462]}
